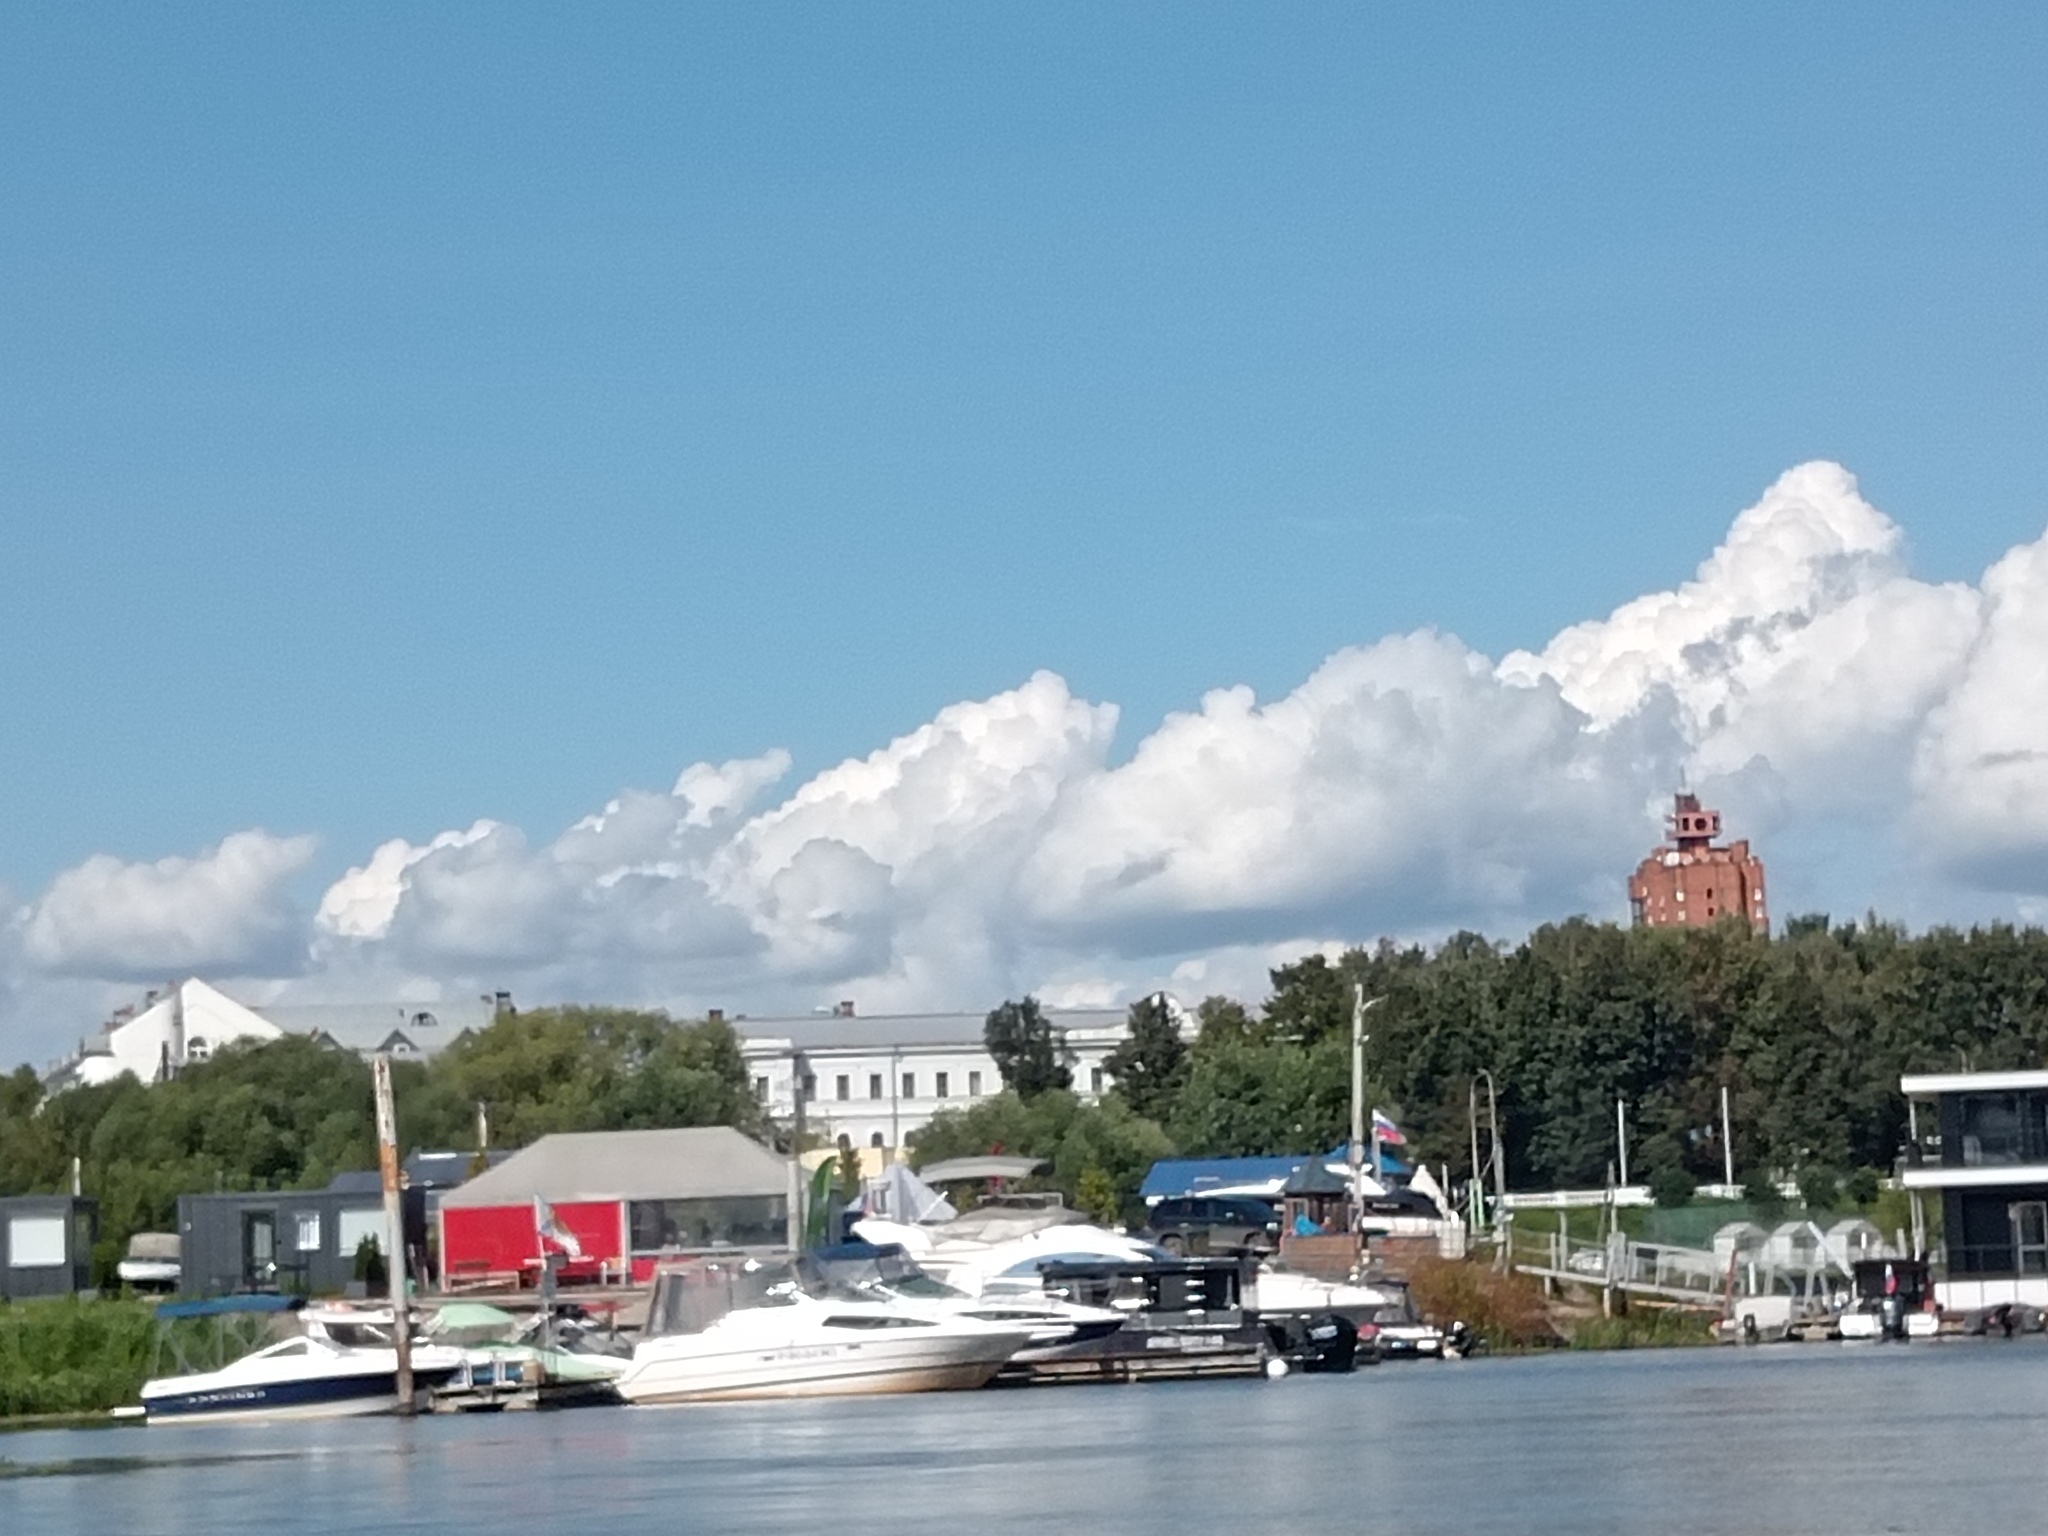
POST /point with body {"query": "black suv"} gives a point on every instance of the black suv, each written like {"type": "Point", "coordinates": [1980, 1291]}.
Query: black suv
{"type": "Point", "coordinates": [1216, 1224]}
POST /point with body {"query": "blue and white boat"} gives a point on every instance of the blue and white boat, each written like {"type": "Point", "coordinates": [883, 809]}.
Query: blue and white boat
{"type": "Point", "coordinates": [344, 1363]}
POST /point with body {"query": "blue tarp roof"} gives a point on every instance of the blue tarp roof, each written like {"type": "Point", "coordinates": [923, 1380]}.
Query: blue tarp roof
{"type": "Point", "coordinates": [1174, 1176]}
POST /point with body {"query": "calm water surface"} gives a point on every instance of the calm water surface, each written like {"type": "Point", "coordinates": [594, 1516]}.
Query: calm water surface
{"type": "Point", "coordinates": [1794, 1439]}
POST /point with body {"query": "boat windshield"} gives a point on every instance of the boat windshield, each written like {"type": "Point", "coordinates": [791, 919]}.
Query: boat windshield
{"type": "Point", "coordinates": [868, 1276]}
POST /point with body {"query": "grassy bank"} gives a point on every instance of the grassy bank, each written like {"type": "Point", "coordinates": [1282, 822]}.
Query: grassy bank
{"type": "Point", "coordinates": [1512, 1314]}
{"type": "Point", "coordinates": [1662, 1328]}
{"type": "Point", "coordinates": [64, 1355]}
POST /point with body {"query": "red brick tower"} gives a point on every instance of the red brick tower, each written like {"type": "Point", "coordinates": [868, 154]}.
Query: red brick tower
{"type": "Point", "coordinates": [1691, 883]}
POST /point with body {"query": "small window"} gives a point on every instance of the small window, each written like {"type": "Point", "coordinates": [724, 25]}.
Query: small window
{"type": "Point", "coordinates": [875, 1140]}
{"type": "Point", "coordinates": [941, 1081]}
{"type": "Point", "coordinates": [910, 1085]}
{"type": "Point", "coordinates": [810, 1087]}
{"type": "Point", "coordinates": [1095, 1079]}
{"type": "Point", "coordinates": [35, 1242]}
{"type": "Point", "coordinates": [351, 1227]}
{"type": "Point", "coordinates": [845, 1142]}
{"type": "Point", "coordinates": [760, 1090]}
{"type": "Point", "coordinates": [875, 1089]}
{"type": "Point", "coordinates": [974, 1085]}
{"type": "Point", "coordinates": [196, 1048]}
{"type": "Point", "coordinates": [307, 1231]}
{"type": "Point", "coordinates": [842, 1087]}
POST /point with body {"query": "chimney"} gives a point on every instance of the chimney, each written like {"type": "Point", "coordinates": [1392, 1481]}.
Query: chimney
{"type": "Point", "coordinates": [502, 1002]}
{"type": "Point", "coordinates": [714, 1015]}
{"type": "Point", "coordinates": [845, 1009]}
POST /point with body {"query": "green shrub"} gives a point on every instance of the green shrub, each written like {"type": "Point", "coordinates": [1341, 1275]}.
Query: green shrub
{"type": "Point", "coordinates": [1671, 1186]}
{"type": "Point", "coordinates": [1507, 1311]}
{"type": "Point", "coordinates": [1663, 1328]}
{"type": "Point", "coordinates": [66, 1355]}
{"type": "Point", "coordinates": [1819, 1187]}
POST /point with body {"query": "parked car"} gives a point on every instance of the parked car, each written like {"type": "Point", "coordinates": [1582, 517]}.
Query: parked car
{"type": "Point", "coordinates": [1401, 1332]}
{"type": "Point", "coordinates": [1219, 1223]}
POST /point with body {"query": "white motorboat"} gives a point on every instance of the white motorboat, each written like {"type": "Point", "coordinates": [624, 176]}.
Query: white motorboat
{"type": "Point", "coordinates": [887, 1273]}
{"type": "Point", "coordinates": [744, 1329]}
{"type": "Point", "coordinates": [998, 1251]}
{"type": "Point", "coordinates": [343, 1364]}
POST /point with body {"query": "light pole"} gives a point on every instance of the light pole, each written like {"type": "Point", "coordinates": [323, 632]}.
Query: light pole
{"type": "Point", "coordinates": [1356, 1153]}
{"type": "Point", "coordinates": [1495, 1157]}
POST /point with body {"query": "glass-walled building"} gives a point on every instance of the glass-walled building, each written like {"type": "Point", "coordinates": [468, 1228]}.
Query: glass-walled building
{"type": "Point", "coordinates": [1979, 1145]}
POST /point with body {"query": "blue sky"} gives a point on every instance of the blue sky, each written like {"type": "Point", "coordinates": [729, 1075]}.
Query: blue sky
{"type": "Point", "coordinates": [415, 416]}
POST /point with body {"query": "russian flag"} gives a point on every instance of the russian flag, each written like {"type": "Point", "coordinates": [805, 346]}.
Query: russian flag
{"type": "Point", "coordinates": [1384, 1130]}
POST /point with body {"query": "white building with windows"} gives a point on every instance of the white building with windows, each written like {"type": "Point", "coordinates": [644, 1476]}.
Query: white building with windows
{"type": "Point", "coordinates": [871, 1080]}
{"type": "Point", "coordinates": [191, 1019]}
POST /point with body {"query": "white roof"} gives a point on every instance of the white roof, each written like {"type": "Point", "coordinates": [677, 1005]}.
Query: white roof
{"type": "Point", "coordinates": [701, 1162]}
{"type": "Point", "coordinates": [1973, 1082]}
{"type": "Point", "coordinates": [879, 1031]}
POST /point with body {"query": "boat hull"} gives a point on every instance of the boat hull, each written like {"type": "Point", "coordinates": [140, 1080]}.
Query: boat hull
{"type": "Point", "coordinates": [339, 1391]}
{"type": "Point", "coordinates": [331, 1397]}
{"type": "Point", "coordinates": [833, 1370]}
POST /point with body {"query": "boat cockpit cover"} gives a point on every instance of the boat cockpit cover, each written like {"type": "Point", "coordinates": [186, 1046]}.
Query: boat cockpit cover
{"type": "Point", "coordinates": [688, 1298]}
{"type": "Point", "coordinates": [1003, 1223]}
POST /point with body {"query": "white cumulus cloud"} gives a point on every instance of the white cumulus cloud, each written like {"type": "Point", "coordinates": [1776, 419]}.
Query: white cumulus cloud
{"type": "Point", "coordinates": [1865, 724]}
{"type": "Point", "coordinates": [225, 910]}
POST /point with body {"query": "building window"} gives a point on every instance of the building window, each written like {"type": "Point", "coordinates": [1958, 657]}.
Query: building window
{"type": "Point", "coordinates": [910, 1085]}
{"type": "Point", "coordinates": [941, 1081]}
{"type": "Point", "coordinates": [1095, 1079]}
{"type": "Point", "coordinates": [760, 1090]}
{"type": "Point", "coordinates": [733, 1221]}
{"type": "Point", "coordinates": [842, 1087]}
{"type": "Point", "coordinates": [810, 1086]}
{"type": "Point", "coordinates": [845, 1142]}
{"type": "Point", "coordinates": [35, 1242]}
{"type": "Point", "coordinates": [875, 1088]}
{"type": "Point", "coordinates": [196, 1048]}
{"type": "Point", "coordinates": [875, 1140]}
{"type": "Point", "coordinates": [351, 1227]}
{"type": "Point", "coordinates": [307, 1224]}
{"type": "Point", "coordinates": [974, 1085]}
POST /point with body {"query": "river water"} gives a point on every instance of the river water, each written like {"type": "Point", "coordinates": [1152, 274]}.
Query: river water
{"type": "Point", "coordinates": [1793, 1438]}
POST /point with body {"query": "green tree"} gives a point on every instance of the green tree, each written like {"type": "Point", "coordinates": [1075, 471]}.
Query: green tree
{"type": "Point", "coordinates": [1225, 1018]}
{"type": "Point", "coordinates": [1071, 1136]}
{"type": "Point", "coordinates": [1248, 1098]}
{"type": "Point", "coordinates": [1028, 1052]}
{"type": "Point", "coordinates": [1151, 1064]}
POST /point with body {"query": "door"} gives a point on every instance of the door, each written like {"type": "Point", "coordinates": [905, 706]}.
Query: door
{"type": "Point", "coordinates": [259, 1250]}
{"type": "Point", "coordinates": [2029, 1236]}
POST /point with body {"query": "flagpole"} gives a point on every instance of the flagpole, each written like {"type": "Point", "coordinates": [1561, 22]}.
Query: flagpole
{"type": "Point", "coordinates": [394, 1229]}
{"type": "Point", "coordinates": [1355, 1153]}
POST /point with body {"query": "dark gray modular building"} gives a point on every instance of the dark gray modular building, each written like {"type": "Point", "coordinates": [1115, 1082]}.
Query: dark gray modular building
{"type": "Point", "coordinates": [298, 1240]}
{"type": "Point", "coordinates": [304, 1240]}
{"type": "Point", "coordinates": [46, 1244]}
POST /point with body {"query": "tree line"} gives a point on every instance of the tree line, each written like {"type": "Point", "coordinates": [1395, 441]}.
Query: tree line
{"type": "Point", "coordinates": [1808, 1030]}
{"type": "Point", "coordinates": [292, 1113]}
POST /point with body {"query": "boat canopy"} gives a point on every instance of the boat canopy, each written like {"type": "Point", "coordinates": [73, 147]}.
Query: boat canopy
{"type": "Point", "coordinates": [225, 1306]}
{"type": "Point", "coordinates": [958, 1170]}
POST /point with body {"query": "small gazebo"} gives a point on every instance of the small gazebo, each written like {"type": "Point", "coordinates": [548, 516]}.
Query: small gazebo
{"type": "Point", "coordinates": [1315, 1196]}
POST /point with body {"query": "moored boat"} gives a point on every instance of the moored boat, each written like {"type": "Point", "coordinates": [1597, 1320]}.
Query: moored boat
{"type": "Point", "coordinates": [744, 1329]}
{"type": "Point", "coordinates": [343, 1364]}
